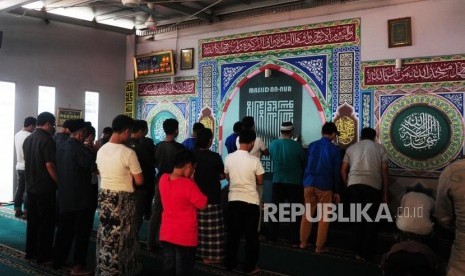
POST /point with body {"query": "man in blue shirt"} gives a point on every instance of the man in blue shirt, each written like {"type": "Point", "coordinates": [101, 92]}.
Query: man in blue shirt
{"type": "Point", "coordinates": [230, 142]}
{"type": "Point", "coordinates": [322, 178]}
{"type": "Point", "coordinates": [189, 143]}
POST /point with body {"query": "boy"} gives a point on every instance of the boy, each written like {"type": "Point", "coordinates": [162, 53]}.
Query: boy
{"type": "Point", "coordinates": [244, 172]}
{"type": "Point", "coordinates": [181, 198]}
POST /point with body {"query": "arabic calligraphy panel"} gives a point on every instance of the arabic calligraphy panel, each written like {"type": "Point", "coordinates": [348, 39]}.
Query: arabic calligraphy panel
{"type": "Point", "coordinates": [421, 132]}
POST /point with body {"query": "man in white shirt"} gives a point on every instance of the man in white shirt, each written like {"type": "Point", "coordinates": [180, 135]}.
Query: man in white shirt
{"type": "Point", "coordinates": [28, 127]}
{"type": "Point", "coordinates": [259, 149]}
{"type": "Point", "coordinates": [365, 172]}
{"type": "Point", "coordinates": [117, 246]}
{"type": "Point", "coordinates": [244, 172]}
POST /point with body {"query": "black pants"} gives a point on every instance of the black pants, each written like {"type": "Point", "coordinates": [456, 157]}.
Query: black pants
{"type": "Point", "coordinates": [179, 260]}
{"type": "Point", "coordinates": [364, 232]}
{"type": "Point", "coordinates": [155, 219]}
{"type": "Point", "coordinates": [141, 198]}
{"type": "Point", "coordinates": [40, 226]}
{"type": "Point", "coordinates": [20, 195]}
{"type": "Point", "coordinates": [73, 227]}
{"type": "Point", "coordinates": [242, 219]}
{"type": "Point", "coordinates": [291, 193]}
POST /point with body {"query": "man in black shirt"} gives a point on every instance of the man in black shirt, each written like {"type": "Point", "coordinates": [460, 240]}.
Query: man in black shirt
{"type": "Point", "coordinates": [164, 156]}
{"type": "Point", "coordinates": [41, 179]}
{"type": "Point", "coordinates": [75, 165]}
{"type": "Point", "coordinates": [146, 157]}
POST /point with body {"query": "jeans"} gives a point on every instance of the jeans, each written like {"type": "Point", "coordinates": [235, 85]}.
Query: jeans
{"type": "Point", "coordinates": [20, 195]}
{"type": "Point", "coordinates": [179, 260]}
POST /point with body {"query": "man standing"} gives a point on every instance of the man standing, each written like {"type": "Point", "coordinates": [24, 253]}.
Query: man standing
{"type": "Point", "coordinates": [230, 142]}
{"type": "Point", "coordinates": [28, 127]}
{"type": "Point", "coordinates": [61, 137]}
{"type": "Point", "coordinates": [164, 156]}
{"type": "Point", "coordinates": [259, 149]}
{"type": "Point", "coordinates": [322, 179]}
{"type": "Point", "coordinates": [117, 246]}
{"type": "Point", "coordinates": [146, 160]}
{"type": "Point", "coordinates": [189, 143]}
{"type": "Point", "coordinates": [288, 162]}
{"type": "Point", "coordinates": [41, 178]}
{"type": "Point", "coordinates": [450, 212]}
{"type": "Point", "coordinates": [75, 165]}
{"type": "Point", "coordinates": [365, 171]}
{"type": "Point", "coordinates": [244, 172]}
{"type": "Point", "coordinates": [148, 145]}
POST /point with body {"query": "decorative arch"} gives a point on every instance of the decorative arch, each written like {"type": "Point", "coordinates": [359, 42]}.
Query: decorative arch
{"type": "Point", "coordinates": [259, 70]}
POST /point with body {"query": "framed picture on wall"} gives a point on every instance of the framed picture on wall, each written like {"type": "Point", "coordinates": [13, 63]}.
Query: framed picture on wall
{"type": "Point", "coordinates": [187, 58]}
{"type": "Point", "coordinates": [64, 114]}
{"type": "Point", "coordinates": [154, 64]}
{"type": "Point", "coordinates": [400, 32]}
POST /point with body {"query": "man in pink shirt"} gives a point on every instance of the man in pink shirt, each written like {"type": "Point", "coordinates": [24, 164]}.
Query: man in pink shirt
{"type": "Point", "coordinates": [180, 198]}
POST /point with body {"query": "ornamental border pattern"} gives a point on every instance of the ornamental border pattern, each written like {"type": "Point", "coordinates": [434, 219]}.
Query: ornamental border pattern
{"type": "Point", "coordinates": [413, 66]}
{"type": "Point", "coordinates": [258, 35]}
{"type": "Point", "coordinates": [377, 115]}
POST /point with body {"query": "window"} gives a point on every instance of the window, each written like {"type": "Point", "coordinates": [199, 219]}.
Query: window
{"type": "Point", "coordinates": [91, 113]}
{"type": "Point", "coordinates": [46, 99]}
{"type": "Point", "coordinates": [7, 113]}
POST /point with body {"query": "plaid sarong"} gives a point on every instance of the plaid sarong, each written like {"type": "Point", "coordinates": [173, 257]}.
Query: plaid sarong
{"type": "Point", "coordinates": [211, 233]}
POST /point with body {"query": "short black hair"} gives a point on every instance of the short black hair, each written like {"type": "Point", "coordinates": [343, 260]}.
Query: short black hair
{"type": "Point", "coordinates": [237, 127]}
{"type": "Point", "coordinates": [368, 133]}
{"type": "Point", "coordinates": [203, 138]}
{"type": "Point", "coordinates": [76, 125]}
{"type": "Point", "coordinates": [45, 117]}
{"type": "Point", "coordinates": [90, 130]}
{"type": "Point", "coordinates": [248, 122]}
{"type": "Point", "coordinates": [107, 130]}
{"type": "Point", "coordinates": [197, 127]}
{"type": "Point", "coordinates": [121, 123]}
{"type": "Point", "coordinates": [246, 136]}
{"type": "Point", "coordinates": [30, 121]}
{"type": "Point", "coordinates": [329, 128]}
{"type": "Point", "coordinates": [66, 124]}
{"type": "Point", "coordinates": [136, 126]}
{"type": "Point", "coordinates": [170, 126]}
{"type": "Point", "coordinates": [183, 157]}
{"type": "Point", "coordinates": [143, 125]}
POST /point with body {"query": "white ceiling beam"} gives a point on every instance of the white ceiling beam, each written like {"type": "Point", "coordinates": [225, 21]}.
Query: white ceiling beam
{"type": "Point", "coordinates": [13, 4]}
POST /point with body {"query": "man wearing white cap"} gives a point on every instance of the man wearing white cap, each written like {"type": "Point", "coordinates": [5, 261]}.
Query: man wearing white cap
{"type": "Point", "coordinates": [288, 161]}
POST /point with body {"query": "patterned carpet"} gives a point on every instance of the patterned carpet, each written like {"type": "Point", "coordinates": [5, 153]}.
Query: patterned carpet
{"type": "Point", "coordinates": [276, 259]}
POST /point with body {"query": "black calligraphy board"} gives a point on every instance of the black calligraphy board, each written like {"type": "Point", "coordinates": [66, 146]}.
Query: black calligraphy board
{"type": "Point", "coordinates": [271, 101]}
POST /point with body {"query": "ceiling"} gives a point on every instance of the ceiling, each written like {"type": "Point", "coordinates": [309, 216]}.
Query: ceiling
{"type": "Point", "coordinates": [115, 16]}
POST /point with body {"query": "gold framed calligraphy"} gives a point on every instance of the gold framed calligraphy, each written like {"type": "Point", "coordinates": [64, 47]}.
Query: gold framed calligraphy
{"type": "Point", "coordinates": [154, 64]}
{"type": "Point", "coordinates": [400, 32]}
{"type": "Point", "coordinates": [129, 100]}
{"type": "Point", "coordinates": [64, 114]}
{"type": "Point", "coordinates": [187, 59]}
